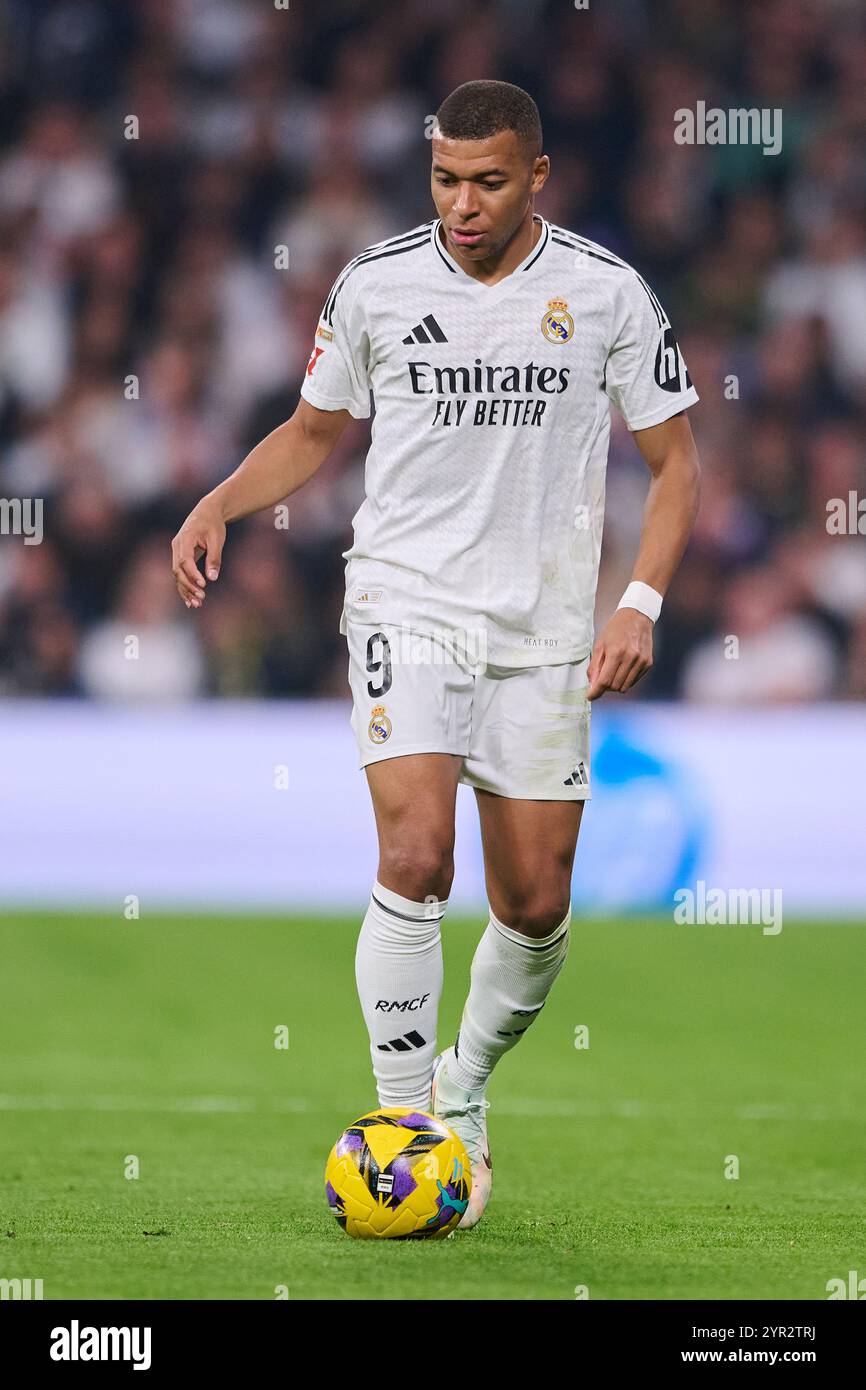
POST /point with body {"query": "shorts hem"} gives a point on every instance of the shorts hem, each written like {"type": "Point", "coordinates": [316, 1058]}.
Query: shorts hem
{"type": "Point", "coordinates": [387, 753]}
{"type": "Point", "coordinates": [565, 794]}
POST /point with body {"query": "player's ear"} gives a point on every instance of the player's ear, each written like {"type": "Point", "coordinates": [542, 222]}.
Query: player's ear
{"type": "Point", "coordinates": [540, 172]}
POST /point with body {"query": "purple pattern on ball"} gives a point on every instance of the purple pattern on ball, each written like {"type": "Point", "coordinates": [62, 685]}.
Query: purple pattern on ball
{"type": "Point", "coordinates": [404, 1182]}
{"type": "Point", "coordinates": [443, 1215]}
{"type": "Point", "coordinates": [349, 1143]}
{"type": "Point", "coordinates": [333, 1199]}
{"type": "Point", "coordinates": [417, 1120]}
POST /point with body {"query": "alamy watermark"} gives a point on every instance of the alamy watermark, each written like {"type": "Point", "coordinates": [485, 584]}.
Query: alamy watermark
{"type": "Point", "coordinates": [24, 1289]}
{"type": "Point", "coordinates": [846, 517]}
{"type": "Point", "coordinates": [729, 907]}
{"type": "Point", "coordinates": [405, 645]}
{"type": "Point", "coordinates": [854, 1287]}
{"type": "Point", "coordinates": [22, 516]}
{"type": "Point", "coordinates": [738, 126]}
{"type": "Point", "coordinates": [77, 1343]}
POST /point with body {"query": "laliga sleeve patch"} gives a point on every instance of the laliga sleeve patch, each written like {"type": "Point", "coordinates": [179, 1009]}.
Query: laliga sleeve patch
{"type": "Point", "coordinates": [671, 373]}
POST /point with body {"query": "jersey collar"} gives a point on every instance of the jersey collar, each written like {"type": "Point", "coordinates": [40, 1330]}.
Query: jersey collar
{"type": "Point", "coordinates": [511, 279]}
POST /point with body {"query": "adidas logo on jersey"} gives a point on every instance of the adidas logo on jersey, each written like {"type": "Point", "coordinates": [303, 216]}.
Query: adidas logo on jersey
{"type": "Point", "coordinates": [427, 331]}
{"type": "Point", "coordinates": [578, 777]}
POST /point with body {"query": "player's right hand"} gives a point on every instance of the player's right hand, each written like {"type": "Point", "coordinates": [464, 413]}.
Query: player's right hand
{"type": "Point", "coordinates": [203, 533]}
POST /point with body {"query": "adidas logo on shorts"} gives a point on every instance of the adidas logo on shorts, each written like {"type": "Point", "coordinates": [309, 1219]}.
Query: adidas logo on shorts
{"type": "Point", "coordinates": [578, 777]}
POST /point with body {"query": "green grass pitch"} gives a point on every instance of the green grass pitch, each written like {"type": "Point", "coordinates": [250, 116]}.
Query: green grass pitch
{"type": "Point", "coordinates": [155, 1038]}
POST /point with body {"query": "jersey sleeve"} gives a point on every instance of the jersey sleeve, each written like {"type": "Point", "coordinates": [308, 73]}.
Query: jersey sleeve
{"type": "Point", "coordinates": [645, 375]}
{"type": "Point", "coordinates": [337, 374]}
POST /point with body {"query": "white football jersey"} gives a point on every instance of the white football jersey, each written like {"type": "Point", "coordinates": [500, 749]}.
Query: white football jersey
{"type": "Point", "coordinates": [485, 477]}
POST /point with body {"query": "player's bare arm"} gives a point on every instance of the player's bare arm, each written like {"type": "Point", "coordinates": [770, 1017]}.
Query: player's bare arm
{"type": "Point", "coordinates": [623, 651]}
{"type": "Point", "coordinates": [279, 465]}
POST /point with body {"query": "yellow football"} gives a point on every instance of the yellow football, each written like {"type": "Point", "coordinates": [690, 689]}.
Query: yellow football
{"type": "Point", "coordinates": [398, 1174]}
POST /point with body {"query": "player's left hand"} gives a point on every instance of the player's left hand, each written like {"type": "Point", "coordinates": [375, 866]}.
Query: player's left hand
{"type": "Point", "coordinates": [623, 652]}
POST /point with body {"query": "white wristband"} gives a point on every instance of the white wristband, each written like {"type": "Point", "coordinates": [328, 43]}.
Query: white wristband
{"type": "Point", "coordinates": [643, 598]}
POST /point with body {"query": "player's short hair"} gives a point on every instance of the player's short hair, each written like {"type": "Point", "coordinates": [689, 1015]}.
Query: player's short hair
{"type": "Point", "coordinates": [478, 110]}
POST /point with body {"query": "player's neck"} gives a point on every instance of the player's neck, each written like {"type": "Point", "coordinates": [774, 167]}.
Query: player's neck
{"type": "Point", "coordinates": [495, 268]}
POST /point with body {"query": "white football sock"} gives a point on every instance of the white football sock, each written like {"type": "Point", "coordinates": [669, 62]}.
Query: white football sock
{"type": "Point", "coordinates": [398, 970]}
{"type": "Point", "coordinates": [512, 975]}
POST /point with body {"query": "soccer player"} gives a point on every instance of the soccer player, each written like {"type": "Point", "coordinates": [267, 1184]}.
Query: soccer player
{"type": "Point", "coordinates": [492, 342]}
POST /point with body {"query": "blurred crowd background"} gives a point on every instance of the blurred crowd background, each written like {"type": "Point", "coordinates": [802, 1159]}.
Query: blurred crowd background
{"type": "Point", "coordinates": [257, 127]}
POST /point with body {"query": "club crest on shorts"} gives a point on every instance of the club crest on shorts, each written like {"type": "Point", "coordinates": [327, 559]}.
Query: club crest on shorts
{"type": "Point", "coordinates": [557, 324]}
{"type": "Point", "coordinates": [379, 728]}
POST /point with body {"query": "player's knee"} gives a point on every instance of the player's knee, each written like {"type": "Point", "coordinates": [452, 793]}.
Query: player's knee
{"type": "Point", "coordinates": [536, 914]}
{"type": "Point", "coordinates": [417, 868]}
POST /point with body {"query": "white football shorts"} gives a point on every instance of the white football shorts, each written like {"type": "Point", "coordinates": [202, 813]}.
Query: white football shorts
{"type": "Point", "coordinates": [522, 732]}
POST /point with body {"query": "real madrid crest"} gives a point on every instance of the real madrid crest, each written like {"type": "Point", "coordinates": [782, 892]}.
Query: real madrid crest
{"type": "Point", "coordinates": [557, 324]}
{"type": "Point", "coordinates": [380, 725]}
